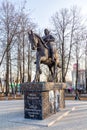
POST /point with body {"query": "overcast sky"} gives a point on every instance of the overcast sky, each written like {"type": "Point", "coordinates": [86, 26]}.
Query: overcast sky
{"type": "Point", "coordinates": [42, 10]}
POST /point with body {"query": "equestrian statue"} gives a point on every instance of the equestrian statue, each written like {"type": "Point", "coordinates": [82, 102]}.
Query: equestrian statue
{"type": "Point", "coordinates": [46, 53]}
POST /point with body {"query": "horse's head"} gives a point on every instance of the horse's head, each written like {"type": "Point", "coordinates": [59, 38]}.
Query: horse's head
{"type": "Point", "coordinates": [33, 39]}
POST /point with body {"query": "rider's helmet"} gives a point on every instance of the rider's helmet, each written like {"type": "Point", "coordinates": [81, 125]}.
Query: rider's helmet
{"type": "Point", "coordinates": [46, 31]}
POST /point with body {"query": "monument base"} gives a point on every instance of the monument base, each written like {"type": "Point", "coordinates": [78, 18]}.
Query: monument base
{"type": "Point", "coordinates": [42, 99]}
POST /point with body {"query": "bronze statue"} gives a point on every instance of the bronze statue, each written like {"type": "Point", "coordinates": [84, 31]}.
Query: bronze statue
{"type": "Point", "coordinates": [43, 56]}
{"type": "Point", "coordinates": [50, 41]}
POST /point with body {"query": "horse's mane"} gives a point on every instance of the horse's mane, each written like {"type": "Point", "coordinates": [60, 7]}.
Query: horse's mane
{"type": "Point", "coordinates": [40, 40]}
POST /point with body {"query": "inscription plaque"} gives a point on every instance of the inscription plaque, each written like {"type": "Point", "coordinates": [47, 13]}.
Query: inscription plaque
{"type": "Point", "coordinates": [33, 105]}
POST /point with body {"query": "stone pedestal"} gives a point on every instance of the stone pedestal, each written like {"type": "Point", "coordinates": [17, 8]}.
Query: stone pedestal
{"type": "Point", "coordinates": [62, 98]}
{"type": "Point", "coordinates": [42, 99]}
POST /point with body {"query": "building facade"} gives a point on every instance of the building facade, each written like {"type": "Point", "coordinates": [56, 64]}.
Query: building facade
{"type": "Point", "coordinates": [81, 83]}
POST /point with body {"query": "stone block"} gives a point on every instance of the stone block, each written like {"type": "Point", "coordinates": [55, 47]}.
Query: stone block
{"type": "Point", "coordinates": [41, 99]}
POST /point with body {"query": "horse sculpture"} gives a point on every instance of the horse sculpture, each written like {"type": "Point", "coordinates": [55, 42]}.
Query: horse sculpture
{"type": "Point", "coordinates": [43, 56]}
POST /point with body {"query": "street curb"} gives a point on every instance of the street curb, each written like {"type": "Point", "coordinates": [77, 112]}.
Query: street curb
{"type": "Point", "coordinates": [60, 117]}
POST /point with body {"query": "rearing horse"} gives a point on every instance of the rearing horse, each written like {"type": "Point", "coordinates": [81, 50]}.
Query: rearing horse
{"type": "Point", "coordinates": [43, 56]}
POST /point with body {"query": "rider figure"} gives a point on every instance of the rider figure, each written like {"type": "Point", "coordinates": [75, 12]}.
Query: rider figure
{"type": "Point", "coordinates": [49, 40]}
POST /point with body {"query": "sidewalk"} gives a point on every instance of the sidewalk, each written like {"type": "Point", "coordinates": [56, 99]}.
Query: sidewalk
{"type": "Point", "coordinates": [46, 122]}
{"type": "Point", "coordinates": [12, 116]}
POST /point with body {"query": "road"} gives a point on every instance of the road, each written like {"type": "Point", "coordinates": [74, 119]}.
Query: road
{"type": "Point", "coordinates": [12, 117]}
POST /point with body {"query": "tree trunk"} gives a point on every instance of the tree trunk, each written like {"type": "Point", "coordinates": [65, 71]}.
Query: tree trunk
{"type": "Point", "coordinates": [77, 92]}
{"type": "Point", "coordinates": [29, 65]}
{"type": "Point", "coordinates": [77, 75]}
{"type": "Point", "coordinates": [23, 61]}
{"type": "Point", "coordinates": [11, 78]}
{"type": "Point", "coordinates": [7, 72]}
{"type": "Point", "coordinates": [18, 62]}
{"type": "Point", "coordinates": [20, 74]}
{"type": "Point", "coordinates": [62, 92]}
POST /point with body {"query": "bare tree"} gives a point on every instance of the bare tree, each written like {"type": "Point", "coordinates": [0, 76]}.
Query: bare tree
{"type": "Point", "coordinates": [14, 40]}
{"type": "Point", "coordinates": [66, 24]}
{"type": "Point", "coordinates": [25, 25]}
{"type": "Point", "coordinates": [78, 53]}
{"type": "Point", "coordinates": [9, 19]}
